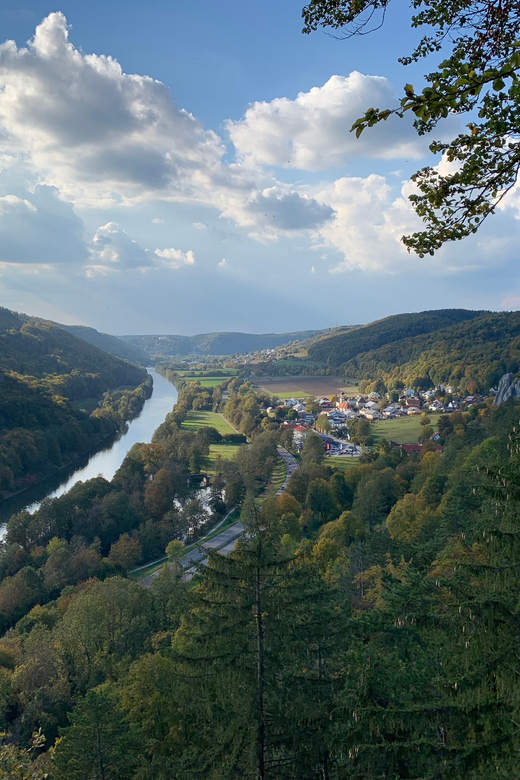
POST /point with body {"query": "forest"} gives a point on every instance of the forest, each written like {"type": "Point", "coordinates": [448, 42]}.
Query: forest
{"type": "Point", "coordinates": [471, 356]}
{"type": "Point", "coordinates": [365, 626]}
{"type": "Point", "coordinates": [339, 348]}
{"type": "Point", "coordinates": [59, 398]}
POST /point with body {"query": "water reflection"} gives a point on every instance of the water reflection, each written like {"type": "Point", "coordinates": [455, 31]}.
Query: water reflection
{"type": "Point", "coordinates": [106, 461]}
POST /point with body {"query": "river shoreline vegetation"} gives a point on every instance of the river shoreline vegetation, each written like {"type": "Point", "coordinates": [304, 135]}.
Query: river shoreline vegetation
{"type": "Point", "coordinates": [60, 398]}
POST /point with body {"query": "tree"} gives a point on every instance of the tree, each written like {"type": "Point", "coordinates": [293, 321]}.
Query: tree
{"type": "Point", "coordinates": [125, 553]}
{"type": "Point", "coordinates": [479, 77]}
{"type": "Point", "coordinates": [252, 653]}
{"type": "Point", "coordinates": [313, 451]}
{"type": "Point", "coordinates": [98, 744]}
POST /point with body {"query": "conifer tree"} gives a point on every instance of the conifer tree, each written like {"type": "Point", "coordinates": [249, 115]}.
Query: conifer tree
{"type": "Point", "coordinates": [255, 652]}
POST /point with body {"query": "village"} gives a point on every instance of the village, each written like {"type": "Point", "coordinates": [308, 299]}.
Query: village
{"type": "Point", "coordinates": [332, 417]}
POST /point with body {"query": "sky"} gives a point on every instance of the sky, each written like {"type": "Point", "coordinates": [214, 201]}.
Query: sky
{"type": "Point", "coordinates": [173, 167]}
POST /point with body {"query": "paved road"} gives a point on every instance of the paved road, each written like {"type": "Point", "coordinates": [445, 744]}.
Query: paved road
{"type": "Point", "coordinates": [290, 466]}
{"type": "Point", "coordinates": [224, 542]}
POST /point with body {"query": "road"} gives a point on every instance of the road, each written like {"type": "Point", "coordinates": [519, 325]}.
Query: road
{"type": "Point", "coordinates": [290, 466]}
{"type": "Point", "coordinates": [224, 542]}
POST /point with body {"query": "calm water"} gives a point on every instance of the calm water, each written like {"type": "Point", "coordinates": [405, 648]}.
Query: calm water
{"type": "Point", "coordinates": [104, 462]}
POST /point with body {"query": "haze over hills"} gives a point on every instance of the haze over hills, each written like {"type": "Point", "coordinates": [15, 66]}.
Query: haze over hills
{"type": "Point", "coordinates": [214, 343]}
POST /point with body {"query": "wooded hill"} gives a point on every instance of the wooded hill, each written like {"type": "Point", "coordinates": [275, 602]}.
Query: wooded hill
{"type": "Point", "coordinates": [214, 343]}
{"type": "Point", "coordinates": [50, 381]}
{"type": "Point", "coordinates": [470, 356]}
{"type": "Point", "coordinates": [111, 344]}
{"type": "Point", "coordinates": [339, 348]}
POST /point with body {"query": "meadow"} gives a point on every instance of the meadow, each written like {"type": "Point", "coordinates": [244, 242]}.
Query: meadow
{"type": "Point", "coordinates": [199, 419]}
{"type": "Point", "coordinates": [403, 430]}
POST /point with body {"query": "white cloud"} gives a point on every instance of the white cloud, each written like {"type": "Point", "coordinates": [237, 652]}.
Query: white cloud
{"type": "Point", "coordinates": [157, 221]}
{"type": "Point", "coordinates": [200, 226]}
{"type": "Point", "coordinates": [224, 264]}
{"type": "Point", "coordinates": [93, 130]}
{"type": "Point", "coordinates": [312, 132]}
{"type": "Point", "coordinates": [175, 258]}
{"type": "Point", "coordinates": [38, 228]}
{"type": "Point", "coordinates": [113, 249]}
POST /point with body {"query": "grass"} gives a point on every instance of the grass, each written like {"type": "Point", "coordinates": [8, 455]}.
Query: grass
{"type": "Point", "coordinates": [196, 420]}
{"type": "Point", "coordinates": [341, 463]}
{"type": "Point", "coordinates": [403, 430]}
{"type": "Point", "coordinates": [225, 451]}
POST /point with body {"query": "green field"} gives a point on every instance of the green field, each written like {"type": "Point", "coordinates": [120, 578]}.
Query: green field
{"type": "Point", "coordinates": [403, 430]}
{"type": "Point", "coordinates": [196, 420]}
{"type": "Point", "coordinates": [226, 451]}
{"type": "Point", "coordinates": [341, 463]}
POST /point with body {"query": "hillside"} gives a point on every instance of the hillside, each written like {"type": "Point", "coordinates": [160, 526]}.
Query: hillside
{"type": "Point", "coordinates": [471, 355]}
{"type": "Point", "coordinates": [337, 349]}
{"type": "Point", "coordinates": [214, 343]}
{"type": "Point", "coordinates": [111, 344]}
{"type": "Point", "coordinates": [48, 377]}
{"type": "Point", "coordinates": [38, 348]}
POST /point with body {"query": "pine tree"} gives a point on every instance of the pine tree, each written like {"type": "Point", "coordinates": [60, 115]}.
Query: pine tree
{"type": "Point", "coordinates": [98, 745]}
{"type": "Point", "coordinates": [255, 653]}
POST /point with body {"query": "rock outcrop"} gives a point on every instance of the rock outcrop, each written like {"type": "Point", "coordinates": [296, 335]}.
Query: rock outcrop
{"type": "Point", "coordinates": [507, 388]}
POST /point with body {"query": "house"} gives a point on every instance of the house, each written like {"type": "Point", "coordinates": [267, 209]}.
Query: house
{"type": "Point", "coordinates": [413, 410]}
{"type": "Point", "coordinates": [374, 396]}
{"type": "Point", "coordinates": [436, 406]}
{"type": "Point", "coordinates": [300, 433]}
{"type": "Point", "coordinates": [411, 449]}
{"type": "Point", "coordinates": [373, 414]}
{"type": "Point", "coordinates": [409, 392]}
{"type": "Point", "coordinates": [342, 406]}
{"type": "Point", "coordinates": [371, 405]}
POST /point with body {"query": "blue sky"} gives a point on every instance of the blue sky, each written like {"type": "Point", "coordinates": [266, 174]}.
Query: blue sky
{"type": "Point", "coordinates": [177, 168]}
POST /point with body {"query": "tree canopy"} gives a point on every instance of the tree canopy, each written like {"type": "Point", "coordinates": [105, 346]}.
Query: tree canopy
{"type": "Point", "coordinates": [478, 77]}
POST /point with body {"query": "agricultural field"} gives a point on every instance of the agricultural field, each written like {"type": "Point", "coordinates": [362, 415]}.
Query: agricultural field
{"type": "Point", "coordinates": [403, 430]}
{"type": "Point", "coordinates": [196, 420]}
{"type": "Point", "coordinates": [305, 386]}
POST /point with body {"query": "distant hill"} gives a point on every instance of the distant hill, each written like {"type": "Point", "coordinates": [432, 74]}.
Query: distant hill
{"type": "Point", "coordinates": [214, 343]}
{"type": "Point", "coordinates": [35, 347]}
{"type": "Point", "coordinates": [470, 355]}
{"type": "Point", "coordinates": [340, 348]}
{"type": "Point", "coordinates": [111, 344]}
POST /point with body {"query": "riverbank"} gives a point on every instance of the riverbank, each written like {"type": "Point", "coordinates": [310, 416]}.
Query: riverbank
{"type": "Point", "coordinates": [104, 460]}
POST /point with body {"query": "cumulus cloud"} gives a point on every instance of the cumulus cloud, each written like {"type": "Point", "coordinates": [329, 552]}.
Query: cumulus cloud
{"type": "Point", "coordinates": [174, 258]}
{"type": "Point", "coordinates": [157, 221]}
{"type": "Point", "coordinates": [312, 131]}
{"type": "Point", "coordinates": [37, 227]}
{"type": "Point", "coordinates": [93, 129]}
{"type": "Point", "coordinates": [224, 264]}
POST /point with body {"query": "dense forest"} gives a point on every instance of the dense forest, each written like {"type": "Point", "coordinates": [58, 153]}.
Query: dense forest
{"type": "Point", "coordinates": [59, 398]}
{"type": "Point", "coordinates": [214, 343]}
{"type": "Point", "coordinates": [365, 627]}
{"type": "Point", "coordinates": [471, 356]}
{"type": "Point", "coordinates": [111, 344]}
{"type": "Point", "coordinates": [337, 349]}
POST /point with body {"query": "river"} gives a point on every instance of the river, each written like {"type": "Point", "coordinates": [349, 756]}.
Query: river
{"type": "Point", "coordinates": [104, 462]}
